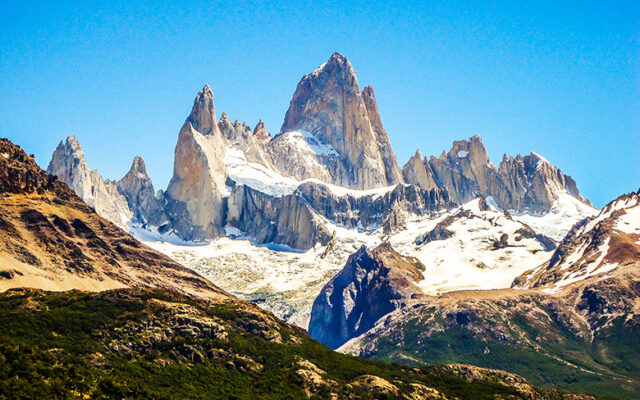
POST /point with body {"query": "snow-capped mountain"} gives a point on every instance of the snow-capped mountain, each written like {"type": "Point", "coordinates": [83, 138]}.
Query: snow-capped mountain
{"type": "Point", "coordinates": [288, 210]}
{"type": "Point", "coordinates": [342, 123]}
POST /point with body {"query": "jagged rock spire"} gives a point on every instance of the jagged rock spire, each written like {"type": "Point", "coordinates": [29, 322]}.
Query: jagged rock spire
{"type": "Point", "coordinates": [137, 188]}
{"type": "Point", "coordinates": [260, 132]}
{"type": "Point", "coordinates": [203, 114]}
{"type": "Point", "coordinates": [521, 183]}
{"type": "Point", "coordinates": [69, 165]}
{"type": "Point", "coordinates": [225, 122]}
{"type": "Point", "coordinates": [328, 104]}
{"type": "Point", "coordinates": [138, 166]}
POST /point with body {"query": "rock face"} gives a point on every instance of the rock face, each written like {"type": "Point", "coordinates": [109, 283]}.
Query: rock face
{"type": "Point", "coordinates": [69, 165]}
{"type": "Point", "coordinates": [252, 144]}
{"type": "Point", "coordinates": [196, 190]}
{"type": "Point", "coordinates": [137, 188]}
{"type": "Point", "coordinates": [334, 116]}
{"type": "Point", "coordinates": [286, 220]}
{"type": "Point", "coordinates": [372, 284]}
{"type": "Point", "coordinates": [227, 175]}
{"type": "Point", "coordinates": [371, 211]}
{"type": "Point", "coordinates": [521, 183]}
{"type": "Point", "coordinates": [50, 239]}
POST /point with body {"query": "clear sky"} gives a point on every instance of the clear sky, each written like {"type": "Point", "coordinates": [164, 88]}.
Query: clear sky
{"type": "Point", "coordinates": [556, 77]}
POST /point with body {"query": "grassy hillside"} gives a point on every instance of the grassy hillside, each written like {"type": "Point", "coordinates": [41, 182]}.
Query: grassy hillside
{"type": "Point", "coordinates": [162, 345]}
{"type": "Point", "coordinates": [532, 337]}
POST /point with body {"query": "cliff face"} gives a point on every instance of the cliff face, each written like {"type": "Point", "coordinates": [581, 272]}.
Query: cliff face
{"type": "Point", "coordinates": [137, 188]}
{"type": "Point", "coordinates": [285, 220]}
{"type": "Point", "coordinates": [521, 183]}
{"type": "Point", "coordinates": [69, 165]}
{"type": "Point", "coordinates": [343, 121]}
{"type": "Point", "coordinates": [196, 190]}
{"type": "Point", "coordinates": [372, 284]}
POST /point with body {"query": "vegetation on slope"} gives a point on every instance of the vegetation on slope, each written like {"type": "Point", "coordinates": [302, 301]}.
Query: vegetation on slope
{"type": "Point", "coordinates": [131, 343]}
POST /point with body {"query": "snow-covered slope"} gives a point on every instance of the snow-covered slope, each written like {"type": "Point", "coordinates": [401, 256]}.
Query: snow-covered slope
{"type": "Point", "coordinates": [477, 255]}
{"type": "Point", "coordinates": [286, 282]}
{"type": "Point", "coordinates": [593, 248]}
{"type": "Point", "coordinates": [565, 212]}
{"type": "Point", "coordinates": [279, 279]}
{"type": "Point", "coordinates": [270, 181]}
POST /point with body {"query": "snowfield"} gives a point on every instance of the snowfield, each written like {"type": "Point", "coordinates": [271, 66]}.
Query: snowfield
{"type": "Point", "coordinates": [271, 182]}
{"type": "Point", "coordinates": [287, 282]}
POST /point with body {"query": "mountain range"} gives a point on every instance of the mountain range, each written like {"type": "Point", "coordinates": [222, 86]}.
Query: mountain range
{"type": "Point", "coordinates": [89, 312]}
{"type": "Point", "coordinates": [446, 259]}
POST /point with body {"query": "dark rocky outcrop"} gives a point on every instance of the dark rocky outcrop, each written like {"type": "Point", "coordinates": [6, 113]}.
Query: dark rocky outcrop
{"type": "Point", "coordinates": [372, 284]}
{"type": "Point", "coordinates": [369, 212]}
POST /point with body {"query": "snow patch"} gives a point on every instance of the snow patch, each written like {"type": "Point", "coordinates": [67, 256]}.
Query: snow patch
{"type": "Point", "coordinates": [630, 221]}
{"type": "Point", "coordinates": [150, 234]}
{"type": "Point", "coordinates": [587, 270]}
{"type": "Point", "coordinates": [271, 182]}
{"type": "Point", "coordinates": [233, 231]}
{"type": "Point", "coordinates": [565, 212]}
{"type": "Point", "coordinates": [462, 154]}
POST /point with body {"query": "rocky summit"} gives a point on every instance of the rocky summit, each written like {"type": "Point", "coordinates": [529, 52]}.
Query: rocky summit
{"type": "Point", "coordinates": [329, 106]}
{"type": "Point", "coordinates": [521, 183]}
{"type": "Point", "coordinates": [69, 165]}
{"type": "Point", "coordinates": [329, 165]}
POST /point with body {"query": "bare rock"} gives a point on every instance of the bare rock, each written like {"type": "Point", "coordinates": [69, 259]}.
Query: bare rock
{"type": "Point", "coordinates": [372, 284]}
{"type": "Point", "coordinates": [329, 105]}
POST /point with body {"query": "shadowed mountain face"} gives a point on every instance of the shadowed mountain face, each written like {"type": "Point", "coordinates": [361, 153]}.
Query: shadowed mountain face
{"type": "Point", "coordinates": [372, 284]}
{"type": "Point", "coordinates": [52, 240]}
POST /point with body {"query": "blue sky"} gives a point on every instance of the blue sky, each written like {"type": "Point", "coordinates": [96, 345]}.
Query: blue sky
{"type": "Point", "coordinates": [559, 78]}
